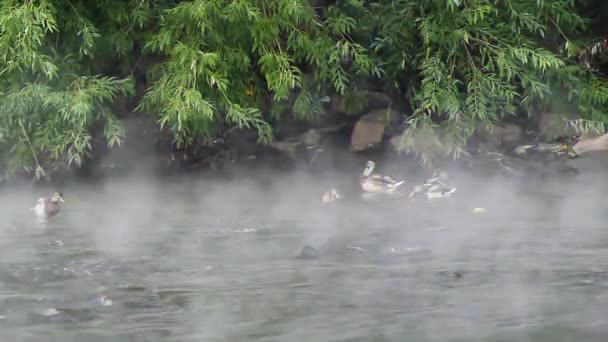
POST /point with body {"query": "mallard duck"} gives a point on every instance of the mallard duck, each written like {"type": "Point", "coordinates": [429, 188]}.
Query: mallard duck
{"type": "Point", "coordinates": [331, 195]}
{"type": "Point", "coordinates": [439, 191]}
{"type": "Point", "coordinates": [48, 207]}
{"type": "Point", "coordinates": [377, 183]}
{"type": "Point", "coordinates": [435, 187]}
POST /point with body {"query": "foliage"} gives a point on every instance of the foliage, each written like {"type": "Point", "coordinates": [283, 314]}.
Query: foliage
{"type": "Point", "coordinates": [48, 98]}
{"type": "Point", "coordinates": [209, 64]}
{"type": "Point", "coordinates": [480, 61]}
{"type": "Point", "coordinates": [225, 57]}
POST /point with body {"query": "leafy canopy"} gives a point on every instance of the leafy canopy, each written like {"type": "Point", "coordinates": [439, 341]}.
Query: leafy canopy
{"type": "Point", "coordinates": [206, 65]}
{"type": "Point", "coordinates": [472, 62]}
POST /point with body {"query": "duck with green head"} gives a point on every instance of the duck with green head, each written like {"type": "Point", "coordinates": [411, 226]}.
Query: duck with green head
{"type": "Point", "coordinates": [375, 183]}
{"type": "Point", "coordinates": [50, 206]}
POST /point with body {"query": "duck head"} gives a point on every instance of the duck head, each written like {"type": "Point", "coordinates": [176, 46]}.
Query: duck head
{"type": "Point", "coordinates": [56, 198]}
{"type": "Point", "coordinates": [369, 167]}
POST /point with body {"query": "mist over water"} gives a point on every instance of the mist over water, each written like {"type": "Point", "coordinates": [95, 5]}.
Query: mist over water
{"type": "Point", "coordinates": [202, 259]}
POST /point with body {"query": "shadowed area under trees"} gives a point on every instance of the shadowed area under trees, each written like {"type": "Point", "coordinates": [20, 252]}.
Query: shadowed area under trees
{"type": "Point", "coordinates": [71, 72]}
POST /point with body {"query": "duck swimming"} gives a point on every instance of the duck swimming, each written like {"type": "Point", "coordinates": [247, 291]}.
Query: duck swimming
{"type": "Point", "coordinates": [377, 183]}
{"type": "Point", "coordinates": [331, 195]}
{"type": "Point", "coordinates": [50, 206]}
{"type": "Point", "coordinates": [436, 187]}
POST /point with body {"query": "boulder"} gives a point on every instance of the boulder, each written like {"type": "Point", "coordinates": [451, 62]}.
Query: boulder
{"type": "Point", "coordinates": [309, 139]}
{"type": "Point", "coordinates": [376, 100]}
{"type": "Point", "coordinates": [592, 144]}
{"type": "Point", "coordinates": [369, 129]}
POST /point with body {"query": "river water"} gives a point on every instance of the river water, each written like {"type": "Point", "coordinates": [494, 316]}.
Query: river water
{"type": "Point", "coordinates": [203, 260]}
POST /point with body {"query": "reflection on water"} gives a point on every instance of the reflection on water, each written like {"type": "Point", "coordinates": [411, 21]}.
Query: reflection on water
{"type": "Point", "coordinates": [196, 262]}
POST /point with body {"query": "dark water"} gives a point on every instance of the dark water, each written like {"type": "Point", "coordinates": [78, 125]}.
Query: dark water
{"type": "Point", "coordinates": [137, 261]}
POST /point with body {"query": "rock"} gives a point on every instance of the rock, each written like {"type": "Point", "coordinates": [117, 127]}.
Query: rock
{"type": "Point", "coordinates": [376, 100]}
{"type": "Point", "coordinates": [595, 144]}
{"type": "Point", "coordinates": [311, 138]}
{"type": "Point", "coordinates": [369, 130]}
{"type": "Point", "coordinates": [286, 146]}
{"type": "Point", "coordinates": [308, 139]}
{"type": "Point", "coordinates": [395, 140]}
{"type": "Point", "coordinates": [308, 253]}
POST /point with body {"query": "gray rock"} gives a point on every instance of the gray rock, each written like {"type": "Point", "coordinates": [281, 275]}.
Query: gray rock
{"type": "Point", "coordinates": [308, 253]}
{"type": "Point", "coordinates": [369, 130]}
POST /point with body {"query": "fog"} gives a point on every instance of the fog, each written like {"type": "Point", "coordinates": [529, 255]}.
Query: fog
{"type": "Point", "coordinates": [224, 253]}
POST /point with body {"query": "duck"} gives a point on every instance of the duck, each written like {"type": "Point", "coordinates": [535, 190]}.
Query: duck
{"type": "Point", "coordinates": [50, 206]}
{"type": "Point", "coordinates": [374, 183]}
{"type": "Point", "coordinates": [439, 191]}
{"type": "Point", "coordinates": [435, 187]}
{"type": "Point", "coordinates": [331, 195]}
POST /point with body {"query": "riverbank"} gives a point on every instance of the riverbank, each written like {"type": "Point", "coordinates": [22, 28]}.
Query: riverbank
{"type": "Point", "coordinates": [338, 143]}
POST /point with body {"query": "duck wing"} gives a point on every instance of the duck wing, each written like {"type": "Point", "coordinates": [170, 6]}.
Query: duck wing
{"type": "Point", "coordinates": [386, 180]}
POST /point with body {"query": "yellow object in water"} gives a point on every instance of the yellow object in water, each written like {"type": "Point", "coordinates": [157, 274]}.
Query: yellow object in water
{"type": "Point", "coordinates": [331, 195]}
{"type": "Point", "coordinates": [479, 210]}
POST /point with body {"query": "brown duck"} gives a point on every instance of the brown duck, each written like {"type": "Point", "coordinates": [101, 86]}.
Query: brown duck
{"type": "Point", "coordinates": [375, 183]}
{"type": "Point", "coordinates": [50, 206]}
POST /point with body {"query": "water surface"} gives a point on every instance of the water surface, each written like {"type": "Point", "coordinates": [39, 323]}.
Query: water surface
{"type": "Point", "coordinates": [207, 261]}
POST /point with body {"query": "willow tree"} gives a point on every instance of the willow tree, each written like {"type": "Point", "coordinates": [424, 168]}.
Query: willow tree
{"type": "Point", "coordinates": [210, 64]}
{"type": "Point", "coordinates": [227, 58]}
{"type": "Point", "coordinates": [50, 93]}
{"type": "Point", "coordinates": [223, 62]}
{"type": "Point", "coordinates": [471, 62]}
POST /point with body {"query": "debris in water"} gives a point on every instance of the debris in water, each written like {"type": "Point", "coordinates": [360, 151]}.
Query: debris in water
{"type": "Point", "coordinates": [245, 230]}
{"type": "Point", "coordinates": [131, 288]}
{"type": "Point", "coordinates": [479, 210]}
{"type": "Point", "coordinates": [408, 250]}
{"type": "Point", "coordinates": [50, 312]}
{"type": "Point", "coordinates": [356, 248]}
{"type": "Point", "coordinates": [411, 252]}
{"type": "Point", "coordinates": [105, 301]}
{"type": "Point", "coordinates": [307, 252]}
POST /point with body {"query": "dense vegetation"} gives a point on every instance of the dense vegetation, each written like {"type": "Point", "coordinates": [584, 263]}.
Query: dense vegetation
{"type": "Point", "coordinates": [202, 66]}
